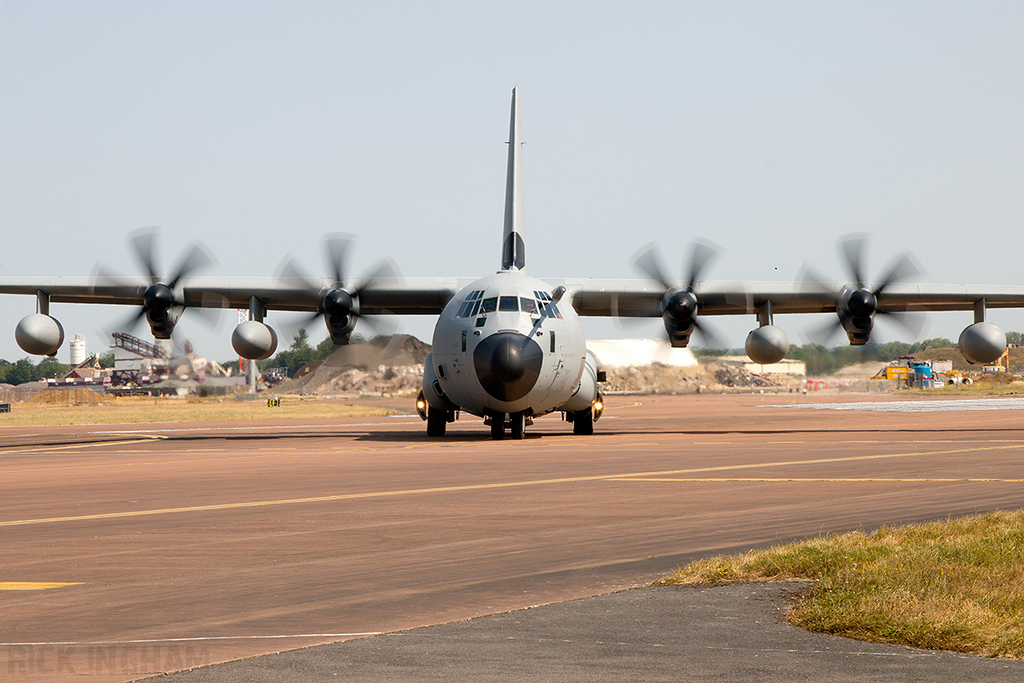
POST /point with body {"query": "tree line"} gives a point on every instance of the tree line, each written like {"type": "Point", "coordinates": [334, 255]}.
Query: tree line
{"type": "Point", "coordinates": [24, 370]}
{"type": "Point", "coordinates": [819, 359]}
{"type": "Point", "coordinates": [824, 361]}
{"type": "Point", "coordinates": [299, 353]}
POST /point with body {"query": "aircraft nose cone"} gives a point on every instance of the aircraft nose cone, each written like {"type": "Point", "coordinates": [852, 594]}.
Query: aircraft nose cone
{"type": "Point", "coordinates": [507, 365]}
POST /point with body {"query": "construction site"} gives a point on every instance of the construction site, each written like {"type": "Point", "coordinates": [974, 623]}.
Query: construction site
{"type": "Point", "coordinates": [392, 366]}
{"type": "Point", "coordinates": [140, 368]}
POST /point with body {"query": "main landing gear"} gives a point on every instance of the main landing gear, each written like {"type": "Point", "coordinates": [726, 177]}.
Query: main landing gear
{"type": "Point", "coordinates": [437, 422]}
{"type": "Point", "coordinates": [437, 419]}
{"type": "Point", "coordinates": [582, 421]}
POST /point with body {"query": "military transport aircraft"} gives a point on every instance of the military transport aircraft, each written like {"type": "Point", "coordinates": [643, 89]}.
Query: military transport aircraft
{"type": "Point", "coordinates": [510, 347]}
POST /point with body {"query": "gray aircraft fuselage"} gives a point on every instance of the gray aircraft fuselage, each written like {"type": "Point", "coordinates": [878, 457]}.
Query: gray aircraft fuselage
{"type": "Point", "coordinates": [502, 346]}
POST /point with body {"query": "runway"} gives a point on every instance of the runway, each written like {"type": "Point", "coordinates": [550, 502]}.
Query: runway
{"type": "Point", "coordinates": [179, 545]}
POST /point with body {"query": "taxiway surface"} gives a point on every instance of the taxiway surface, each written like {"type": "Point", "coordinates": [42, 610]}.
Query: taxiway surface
{"type": "Point", "coordinates": [187, 544]}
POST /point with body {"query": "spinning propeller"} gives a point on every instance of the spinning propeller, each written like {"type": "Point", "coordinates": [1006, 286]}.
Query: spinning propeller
{"type": "Point", "coordinates": [680, 305]}
{"type": "Point", "coordinates": [338, 303]}
{"type": "Point", "coordinates": [162, 294]}
{"type": "Point", "coordinates": [857, 303]}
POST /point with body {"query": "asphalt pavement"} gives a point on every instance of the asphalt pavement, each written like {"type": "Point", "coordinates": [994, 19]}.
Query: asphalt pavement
{"type": "Point", "coordinates": [722, 633]}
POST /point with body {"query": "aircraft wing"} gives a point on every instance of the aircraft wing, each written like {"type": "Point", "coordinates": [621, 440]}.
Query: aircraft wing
{"type": "Point", "coordinates": [589, 296]}
{"type": "Point", "coordinates": [642, 298]}
{"type": "Point", "coordinates": [406, 296]}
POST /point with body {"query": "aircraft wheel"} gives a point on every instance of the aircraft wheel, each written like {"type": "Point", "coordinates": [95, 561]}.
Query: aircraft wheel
{"type": "Point", "coordinates": [437, 422]}
{"type": "Point", "coordinates": [518, 425]}
{"type": "Point", "coordinates": [497, 427]}
{"type": "Point", "coordinates": [583, 422]}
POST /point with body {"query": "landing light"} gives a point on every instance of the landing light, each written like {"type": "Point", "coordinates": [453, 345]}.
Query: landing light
{"type": "Point", "coordinates": [598, 407]}
{"type": "Point", "coordinates": [421, 406]}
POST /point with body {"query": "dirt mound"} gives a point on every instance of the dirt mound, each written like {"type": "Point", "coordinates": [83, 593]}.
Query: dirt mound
{"type": "Point", "coordinates": [666, 379]}
{"type": "Point", "coordinates": [391, 365]}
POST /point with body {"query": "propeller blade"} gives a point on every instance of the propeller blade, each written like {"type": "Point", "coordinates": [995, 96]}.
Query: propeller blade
{"type": "Point", "coordinates": [904, 268]}
{"type": "Point", "coordinates": [103, 278]}
{"type": "Point", "coordinates": [337, 248]}
{"type": "Point", "coordinates": [382, 327]}
{"type": "Point", "coordinates": [211, 317]}
{"type": "Point", "coordinates": [702, 253]}
{"type": "Point", "coordinates": [647, 261]}
{"type": "Point", "coordinates": [710, 337]}
{"type": "Point", "coordinates": [196, 258]}
{"type": "Point", "coordinates": [912, 322]}
{"type": "Point", "coordinates": [823, 335]}
{"type": "Point", "coordinates": [128, 325]}
{"type": "Point", "coordinates": [385, 270]}
{"type": "Point", "coordinates": [290, 269]}
{"type": "Point", "coordinates": [289, 327]}
{"type": "Point", "coordinates": [142, 242]}
{"type": "Point", "coordinates": [812, 282]}
{"type": "Point", "coordinates": [852, 247]}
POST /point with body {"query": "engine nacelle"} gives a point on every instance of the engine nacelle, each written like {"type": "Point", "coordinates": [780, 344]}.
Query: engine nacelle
{"type": "Point", "coordinates": [254, 340]}
{"type": "Point", "coordinates": [982, 343]}
{"type": "Point", "coordinates": [161, 312]}
{"type": "Point", "coordinates": [340, 329]}
{"type": "Point", "coordinates": [39, 334]}
{"type": "Point", "coordinates": [767, 344]}
{"type": "Point", "coordinates": [856, 310]}
{"type": "Point", "coordinates": [341, 308]}
{"type": "Point", "coordinates": [679, 312]}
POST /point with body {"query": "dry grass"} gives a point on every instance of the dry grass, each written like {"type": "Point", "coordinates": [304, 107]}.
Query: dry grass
{"type": "Point", "coordinates": [140, 410]}
{"type": "Point", "coordinates": [993, 385]}
{"type": "Point", "coordinates": [956, 585]}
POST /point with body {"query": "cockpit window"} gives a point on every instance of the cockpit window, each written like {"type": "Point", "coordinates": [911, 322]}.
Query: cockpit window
{"type": "Point", "coordinates": [476, 305]}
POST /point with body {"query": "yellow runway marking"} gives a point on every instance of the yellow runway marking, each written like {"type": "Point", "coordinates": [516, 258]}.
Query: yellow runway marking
{"type": "Point", "coordinates": [33, 585]}
{"type": "Point", "coordinates": [265, 452]}
{"type": "Point", "coordinates": [179, 461]}
{"type": "Point", "coordinates": [484, 487]}
{"type": "Point", "coordinates": [74, 446]}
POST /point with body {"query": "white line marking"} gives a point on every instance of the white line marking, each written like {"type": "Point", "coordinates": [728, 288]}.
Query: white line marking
{"type": "Point", "coordinates": [932, 406]}
{"type": "Point", "coordinates": [254, 428]}
{"type": "Point", "coordinates": [184, 640]}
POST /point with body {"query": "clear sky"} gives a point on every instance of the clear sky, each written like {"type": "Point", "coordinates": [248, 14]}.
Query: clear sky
{"type": "Point", "coordinates": [771, 128]}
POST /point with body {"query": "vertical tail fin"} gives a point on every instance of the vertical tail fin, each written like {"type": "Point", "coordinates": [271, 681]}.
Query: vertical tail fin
{"type": "Point", "coordinates": [513, 251]}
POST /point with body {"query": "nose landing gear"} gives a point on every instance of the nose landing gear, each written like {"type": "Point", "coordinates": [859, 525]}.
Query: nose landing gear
{"type": "Point", "coordinates": [517, 423]}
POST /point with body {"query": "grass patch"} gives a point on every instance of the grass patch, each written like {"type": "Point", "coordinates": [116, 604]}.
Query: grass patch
{"type": "Point", "coordinates": [956, 585]}
{"type": "Point", "coordinates": [135, 410]}
{"type": "Point", "coordinates": [995, 385]}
